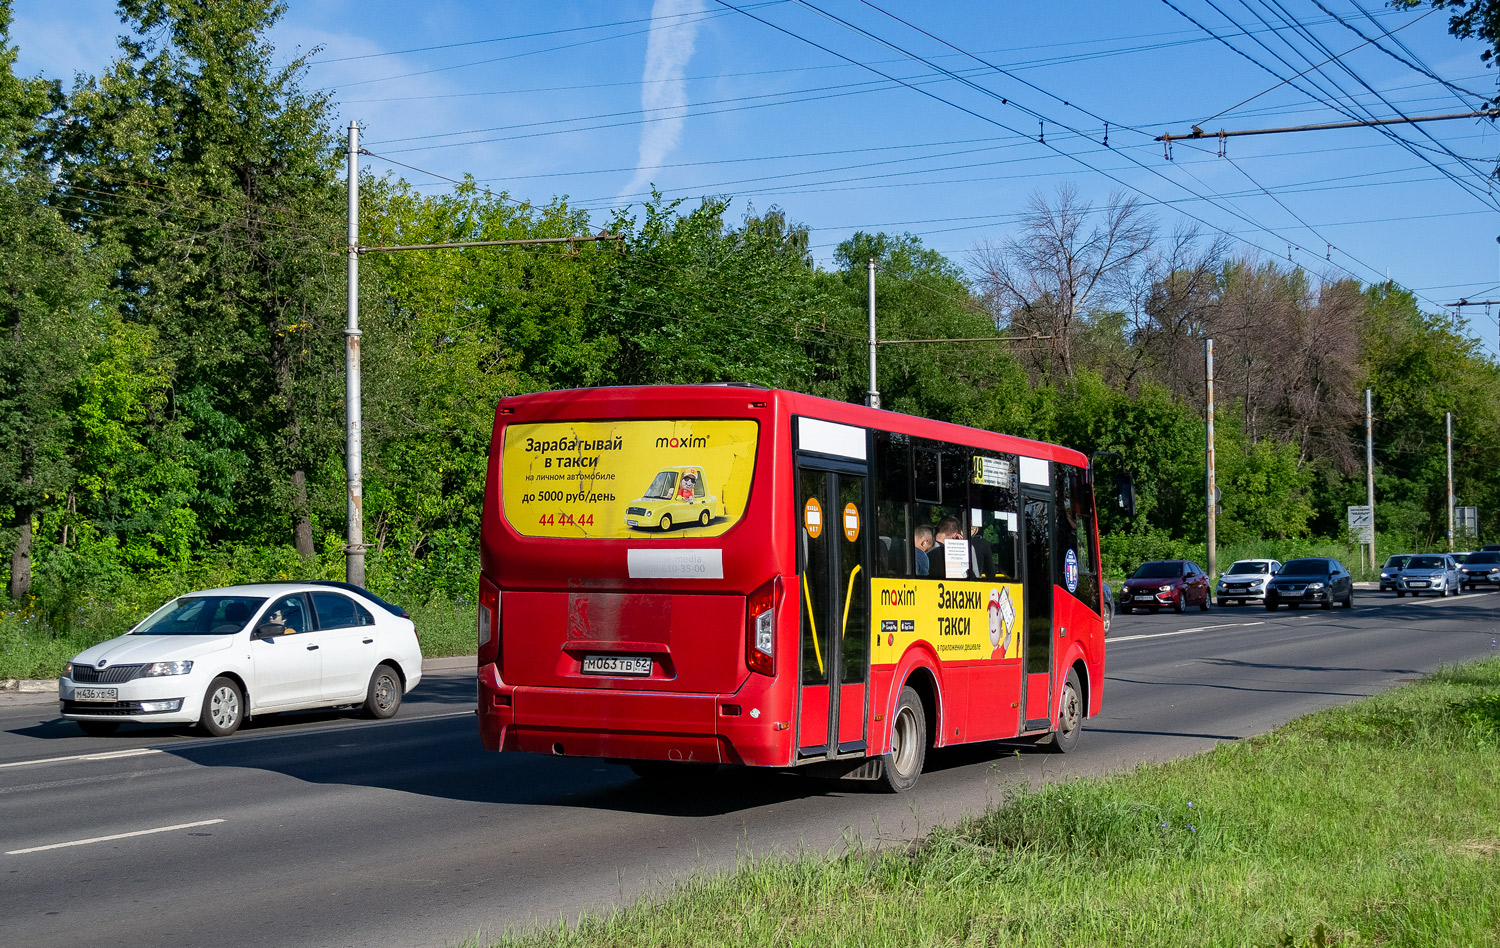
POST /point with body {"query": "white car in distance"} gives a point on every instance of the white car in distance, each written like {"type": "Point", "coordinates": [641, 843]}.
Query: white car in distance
{"type": "Point", "coordinates": [1245, 581]}
{"type": "Point", "coordinates": [219, 656]}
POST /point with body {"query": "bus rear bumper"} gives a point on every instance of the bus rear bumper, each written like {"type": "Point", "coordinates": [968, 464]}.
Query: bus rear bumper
{"type": "Point", "coordinates": [629, 725]}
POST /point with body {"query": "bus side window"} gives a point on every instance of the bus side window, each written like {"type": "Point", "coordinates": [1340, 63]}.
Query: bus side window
{"type": "Point", "coordinates": [995, 511]}
{"type": "Point", "coordinates": [1074, 516]}
{"type": "Point", "coordinates": [892, 514]}
{"type": "Point", "coordinates": [925, 480]}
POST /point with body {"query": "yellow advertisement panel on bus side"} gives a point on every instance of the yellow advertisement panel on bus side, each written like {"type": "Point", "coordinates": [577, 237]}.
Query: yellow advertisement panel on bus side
{"type": "Point", "coordinates": [963, 620]}
{"type": "Point", "coordinates": [635, 479]}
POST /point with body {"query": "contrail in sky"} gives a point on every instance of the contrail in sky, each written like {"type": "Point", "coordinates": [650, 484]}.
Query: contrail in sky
{"type": "Point", "coordinates": [668, 49]}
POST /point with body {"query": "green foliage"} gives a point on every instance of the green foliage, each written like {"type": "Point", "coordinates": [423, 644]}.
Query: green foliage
{"type": "Point", "coordinates": [1260, 842]}
{"type": "Point", "coordinates": [172, 305]}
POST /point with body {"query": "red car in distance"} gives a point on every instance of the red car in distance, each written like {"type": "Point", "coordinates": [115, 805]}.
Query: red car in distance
{"type": "Point", "coordinates": [1166, 584]}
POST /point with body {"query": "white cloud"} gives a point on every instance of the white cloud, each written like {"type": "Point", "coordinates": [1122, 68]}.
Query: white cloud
{"type": "Point", "coordinates": [668, 49]}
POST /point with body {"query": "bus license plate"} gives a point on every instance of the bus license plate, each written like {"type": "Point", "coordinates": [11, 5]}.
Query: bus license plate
{"type": "Point", "coordinates": [95, 694]}
{"type": "Point", "coordinates": [617, 665]}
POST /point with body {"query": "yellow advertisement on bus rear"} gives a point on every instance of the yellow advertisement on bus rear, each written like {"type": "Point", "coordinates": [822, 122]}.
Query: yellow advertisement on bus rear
{"type": "Point", "coordinates": [627, 479]}
{"type": "Point", "coordinates": [963, 620]}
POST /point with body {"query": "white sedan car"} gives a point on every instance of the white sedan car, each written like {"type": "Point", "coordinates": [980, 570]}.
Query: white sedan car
{"type": "Point", "coordinates": [219, 656]}
{"type": "Point", "coordinates": [1245, 581]}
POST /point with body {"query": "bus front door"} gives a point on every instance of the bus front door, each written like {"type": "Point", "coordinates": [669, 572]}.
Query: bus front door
{"type": "Point", "coordinates": [834, 580]}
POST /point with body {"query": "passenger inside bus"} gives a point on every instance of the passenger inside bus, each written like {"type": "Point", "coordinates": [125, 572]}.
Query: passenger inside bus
{"type": "Point", "coordinates": [924, 542]}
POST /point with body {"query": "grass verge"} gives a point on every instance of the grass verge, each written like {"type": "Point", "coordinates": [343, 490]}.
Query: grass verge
{"type": "Point", "coordinates": [1377, 823]}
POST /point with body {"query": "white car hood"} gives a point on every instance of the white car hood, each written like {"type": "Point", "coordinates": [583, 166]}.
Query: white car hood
{"type": "Point", "coordinates": [139, 649]}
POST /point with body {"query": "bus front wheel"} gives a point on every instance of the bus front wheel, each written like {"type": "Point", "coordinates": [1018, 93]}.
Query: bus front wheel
{"type": "Point", "coordinates": [1069, 718]}
{"type": "Point", "coordinates": [902, 765]}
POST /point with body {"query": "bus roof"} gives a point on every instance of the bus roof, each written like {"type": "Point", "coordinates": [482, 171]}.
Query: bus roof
{"type": "Point", "coordinates": [733, 400]}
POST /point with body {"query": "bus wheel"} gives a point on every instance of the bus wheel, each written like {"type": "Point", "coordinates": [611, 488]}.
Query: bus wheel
{"type": "Point", "coordinates": [666, 523]}
{"type": "Point", "coordinates": [903, 764]}
{"type": "Point", "coordinates": [1069, 718]}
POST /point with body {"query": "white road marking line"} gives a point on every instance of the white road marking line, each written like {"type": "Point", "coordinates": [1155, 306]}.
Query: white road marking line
{"type": "Point", "coordinates": [104, 755]}
{"type": "Point", "coordinates": [106, 839]}
{"type": "Point", "coordinates": [238, 739]}
{"type": "Point", "coordinates": [1204, 628]}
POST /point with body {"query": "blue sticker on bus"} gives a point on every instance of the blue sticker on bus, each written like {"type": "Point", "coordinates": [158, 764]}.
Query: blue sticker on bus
{"type": "Point", "coordinates": [1070, 570]}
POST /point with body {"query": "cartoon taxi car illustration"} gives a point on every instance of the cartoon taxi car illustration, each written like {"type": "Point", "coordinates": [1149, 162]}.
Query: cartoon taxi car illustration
{"type": "Point", "coordinates": [677, 495]}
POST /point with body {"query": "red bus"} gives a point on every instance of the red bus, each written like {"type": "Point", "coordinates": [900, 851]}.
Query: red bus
{"type": "Point", "coordinates": [729, 574]}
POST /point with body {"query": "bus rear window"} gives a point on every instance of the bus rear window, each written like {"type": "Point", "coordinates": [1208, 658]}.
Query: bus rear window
{"type": "Point", "coordinates": [628, 479]}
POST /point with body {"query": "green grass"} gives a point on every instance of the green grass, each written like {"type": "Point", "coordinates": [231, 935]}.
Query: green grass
{"type": "Point", "coordinates": [29, 648]}
{"type": "Point", "coordinates": [1373, 824]}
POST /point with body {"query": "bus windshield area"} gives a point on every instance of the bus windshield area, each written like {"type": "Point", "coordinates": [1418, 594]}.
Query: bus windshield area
{"type": "Point", "coordinates": [661, 487]}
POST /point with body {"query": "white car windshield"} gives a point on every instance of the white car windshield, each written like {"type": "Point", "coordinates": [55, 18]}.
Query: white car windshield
{"type": "Point", "coordinates": [201, 615]}
{"type": "Point", "coordinates": [1250, 566]}
{"type": "Point", "coordinates": [661, 488]}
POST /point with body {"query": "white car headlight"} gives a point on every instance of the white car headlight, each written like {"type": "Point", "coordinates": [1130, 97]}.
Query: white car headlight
{"type": "Point", "coordinates": [158, 669]}
{"type": "Point", "coordinates": [1163, 589]}
{"type": "Point", "coordinates": [1385, 575]}
{"type": "Point", "coordinates": [67, 671]}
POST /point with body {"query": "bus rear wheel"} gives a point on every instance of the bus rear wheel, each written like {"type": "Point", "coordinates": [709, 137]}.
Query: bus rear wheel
{"type": "Point", "coordinates": [902, 765]}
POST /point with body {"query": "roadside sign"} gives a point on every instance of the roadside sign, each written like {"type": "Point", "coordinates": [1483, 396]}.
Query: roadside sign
{"type": "Point", "coordinates": [1362, 524]}
{"type": "Point", "coordinates": [1467, 522]}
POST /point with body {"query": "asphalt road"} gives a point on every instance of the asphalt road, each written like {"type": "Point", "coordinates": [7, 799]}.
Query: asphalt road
{"type": "Point", "coordinates": [320, 829]}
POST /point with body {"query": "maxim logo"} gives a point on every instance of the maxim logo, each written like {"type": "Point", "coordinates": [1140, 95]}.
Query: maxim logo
{"type": "Point", "coordinates": [899, 597]}
{"type": "Point", "coordinates": [698, 442]}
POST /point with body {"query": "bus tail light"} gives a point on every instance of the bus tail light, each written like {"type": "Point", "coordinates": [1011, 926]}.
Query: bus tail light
{"type": "Point", "coordinates": [760, 627]}
{"type": "Point", "coordinates": [489, 623]}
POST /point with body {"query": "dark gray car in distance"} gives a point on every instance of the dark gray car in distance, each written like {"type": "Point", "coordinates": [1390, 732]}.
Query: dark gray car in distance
{"type": "Point", "coordinates": [1320, 580]}
{"type": "Point", "coordinates": [1390, 573]}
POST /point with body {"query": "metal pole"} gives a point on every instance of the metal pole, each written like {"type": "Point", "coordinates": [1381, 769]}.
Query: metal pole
{"type": "Point", "coordinates": [1370, 473]}
{"type": "Point", "coordinates": [354, 564]}
{"type": "Point", "coordinates": [1211, 487]}
{"type": "Point", "coordinates": [1448, 420]}
{"type": "Point", "coordinates": [874, 397]}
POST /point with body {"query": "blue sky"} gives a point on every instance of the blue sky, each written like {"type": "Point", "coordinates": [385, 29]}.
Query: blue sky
{"type": "Point", "coordinates": [934, 119]}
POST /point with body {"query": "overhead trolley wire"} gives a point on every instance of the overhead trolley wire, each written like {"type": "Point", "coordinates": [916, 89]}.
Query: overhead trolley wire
{"type": "Point", "coordinates": [1005, 100]}
{"type": "Point", "coordinates": [1286, 16]}
{"type": "Point", "coordinates": [1321, 96]}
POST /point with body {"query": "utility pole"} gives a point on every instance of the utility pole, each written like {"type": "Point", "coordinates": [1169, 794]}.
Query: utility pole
{"type": "Point", "coordinates": [1448, 422]}
{"type": "Point", "coordinates": [874, 398]}
{"type": "Point", "coordinates": [1210, 486]}
{"type": "Point", "coordinates": [354, 552]}
{"type": "Point", "coordinates": [1370, 473]}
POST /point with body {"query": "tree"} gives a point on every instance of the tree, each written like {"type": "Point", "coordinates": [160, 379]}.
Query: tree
{"type": "Point", "coordinates": [53, 316]}
{"type": "Point", "coordinates": [693, 299]}
{"type": "Point", "coordinates": [216, 175]}
{"type": "Point", "coordinates": [1059, 270]}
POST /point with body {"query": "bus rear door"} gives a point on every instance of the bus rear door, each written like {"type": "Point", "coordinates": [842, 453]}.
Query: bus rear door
{"type": "Point", "coordinates": [834, 535]}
